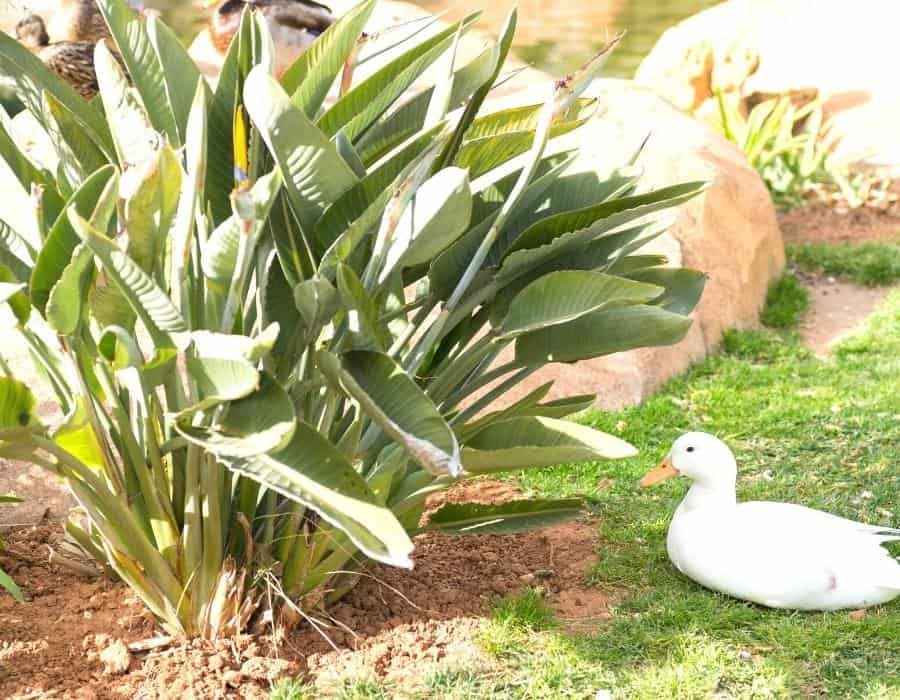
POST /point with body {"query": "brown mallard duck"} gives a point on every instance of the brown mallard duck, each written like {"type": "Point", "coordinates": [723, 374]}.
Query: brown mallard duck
{"type": "Point", "coordinates": [73, 61]}
{"type": "Point", "coordinates": [294, 25]}
{"type": "Point", "coordinates": [77, 20]}
{"type": "Point", "coordinates": [80, 20]}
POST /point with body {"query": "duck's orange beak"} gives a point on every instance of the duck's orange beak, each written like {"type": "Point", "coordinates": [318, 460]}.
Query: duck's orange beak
{"type": "Point", "coordinates": [661, 473]}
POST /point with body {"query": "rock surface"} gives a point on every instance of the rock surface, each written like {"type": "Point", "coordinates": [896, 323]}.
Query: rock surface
{"type": "Point", "coordinates": [762, 48]}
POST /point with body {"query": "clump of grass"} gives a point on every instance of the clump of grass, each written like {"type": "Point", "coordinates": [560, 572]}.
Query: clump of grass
{"type": "Point", "coordinates": [362, 689]}
{"type": "Point", "coordinates": [291, 690]}
{"type": "Point", "coordinates": [786, 302]}
{"type": "Point", "coordinates": [870, 263]}
{"type": "Point", "coordinates": [526, 610]}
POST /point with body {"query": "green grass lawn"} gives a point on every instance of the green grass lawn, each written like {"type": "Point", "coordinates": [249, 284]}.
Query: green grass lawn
{"type": "Point", "coordinates": [870, 263]}
{"type": "Point", "coordinates": [824, 433]}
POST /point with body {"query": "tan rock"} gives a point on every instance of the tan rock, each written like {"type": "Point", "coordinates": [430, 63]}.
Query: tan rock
{"type": "Point", "coordinates": [116, 658]}
{"type": "Point", "coordinates": [834, 49]}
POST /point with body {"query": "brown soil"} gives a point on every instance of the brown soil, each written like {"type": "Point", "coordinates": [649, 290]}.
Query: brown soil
{"type": "Point", "coordinates": [821, 222]}
{"type": "Point", "coordinates": [71, 638]}
{"type": "Point", "coordinates": [835, 309]}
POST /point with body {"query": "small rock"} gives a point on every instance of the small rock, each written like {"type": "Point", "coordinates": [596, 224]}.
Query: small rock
{"type": "Point", "coordinates": [217, 662]}
{"type": "Point", "coordinates": [745, 656]}
{"type": "Point", "coordinates": [603, 694]}
{"type": "Point", "coordinates": [527, 578]}
{"type": "Point", "coordinates": [116, 658]}
{"type": "Point", "coordinates": [544, 573]}
{"type": "Point", "coordinates": [233, 678]}
{"type": "Point", "coordinates": [857, 614]}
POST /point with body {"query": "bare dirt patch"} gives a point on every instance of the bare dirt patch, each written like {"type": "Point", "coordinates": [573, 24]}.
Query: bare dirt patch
{"type": "Point", "coordinates": [836, 308]}
{"type": "Point", "coordinates": [71, 639]}
{"type": "Point", "coordinates": [822, 222]}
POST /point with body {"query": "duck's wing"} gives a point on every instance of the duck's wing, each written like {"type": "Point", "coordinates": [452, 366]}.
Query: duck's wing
{"type": "Point", "coordinates": [73, 61]}
{"type": "Point", "coordinates": [771, 510]}
{"type": "Point", "coordinates": [843, 545]}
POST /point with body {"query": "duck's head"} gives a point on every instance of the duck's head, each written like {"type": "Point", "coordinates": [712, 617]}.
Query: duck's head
{"type": "Point", "coordinates": [700, 457]}
{"type": "Point", "coordinates": [32, 32]}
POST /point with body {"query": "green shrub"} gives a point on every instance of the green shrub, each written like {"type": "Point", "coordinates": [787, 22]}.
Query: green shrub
{"type": "Point", "coordinates": [273, 326]}
{"type": "Point", "coordinates": [792, 149]}
{"type": "Point", "coordinates": [870, 263]}
{"type": "Point", "coordinates": [786, 302]}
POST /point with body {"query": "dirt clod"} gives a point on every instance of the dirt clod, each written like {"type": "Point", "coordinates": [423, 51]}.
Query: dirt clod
{"type": "Point", "coordinates": [115, 658]}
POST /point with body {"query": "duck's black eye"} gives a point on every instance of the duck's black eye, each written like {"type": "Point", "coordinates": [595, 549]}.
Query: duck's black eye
{"type": "Point", "coordinates": [690, 449]}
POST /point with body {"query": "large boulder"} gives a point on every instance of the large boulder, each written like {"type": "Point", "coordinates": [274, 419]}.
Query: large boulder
{"type": "Point", "coordinates": [805, 48]}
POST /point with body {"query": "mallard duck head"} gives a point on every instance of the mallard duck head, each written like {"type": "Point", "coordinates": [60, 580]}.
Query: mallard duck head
{"type": "Point", "coordinates": [700, 457]}
{"type": "Point", "coordinates": [32, 32]}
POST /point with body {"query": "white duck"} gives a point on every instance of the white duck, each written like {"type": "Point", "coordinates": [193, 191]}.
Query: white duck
{"type": "Point", "coordinates": [776, 554]}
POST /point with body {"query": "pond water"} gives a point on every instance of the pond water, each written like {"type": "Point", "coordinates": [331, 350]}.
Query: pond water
{"type": "Point", "coordinates": [554, 36]}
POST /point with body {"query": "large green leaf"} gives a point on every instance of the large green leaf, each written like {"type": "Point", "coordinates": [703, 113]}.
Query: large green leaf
{"type": "Point", "coordinates": [504, 518]}
{"type": "Point", "coordinates": [12, 292]}
{"type": "Point", "coordinates": [605, 215]}
{"type": "Point", "coordinates": [447, 269]}
{"type": "Point", "coordinates": [482, 155]}
{"type": "Point", "coordinates": [409, 118]}
{"type": "Point", "coordinates": [312, 471]}
{"type": "Point", "coordinates": [16, 253]}
{"type": "Point", "coordinates": [182, 77]}
{"type": "Point", "coordinates": [144, 66]}
{"type": "Point", "coordinates": [315, 175]}
{"type": "Point", "coordinates": [73, 145]}
{"type": "Point", "coordinates": [59, 247]}
{"type": "Point", "coordinates": [136, 139]}
{"type": "Point", "coordinates": [353, 203]}
{"type": "Point", "coordinates": [525, 118]}
{"type": "Point", "coordinates": [563, 296]}
{"type": "Point", "coordinates": [602, 333]}
{"type": "Point", "coordinates": [498, 59]}
{"type": "Point", "coordinates": [31, 78]}
{"type": "Point", "coordinates": [356, 111]}
{"type": "Point", "coordinates": [220, 137]}
{"type": "Point", "coordinates": [534, 441]}
{"type": "Point", "coordinates": [10, 585]}
{"type": "Point", "coordinates": [566, 233]}
{"type": "Point", "coordinates": [437, 216]}
{"type": "Point", "coordinates": [317, 301]}
{"type": "Point", "coordinates": [364, 329]}
{"type": "Point", "coordinates": [220, 379]}
{"type": "Point", "coordinates": [236, 347]}
{"type": "Point", "coordinates": [397, 405]}
{"type": "Point", "coordinates": [683, 288]}
{"type": "Point", "coordinates": [77, 437]}
{"type": "Point", "coordinates": [150, 303]}
{"type": "Point", "coordinates": [26, 172]}
{"type": "Point", "coordinates": [219, 256]}
{"type": "Point", "coordinates": [313, 73]}
{"type": "Point", "coordinates": [65, 304]}
{"type": "Point", "coordinates": [150, 209]}
{"type": "Point", "coordinates": [258, 423]}
{"type": "Point", "coordinates": [16, 408]}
